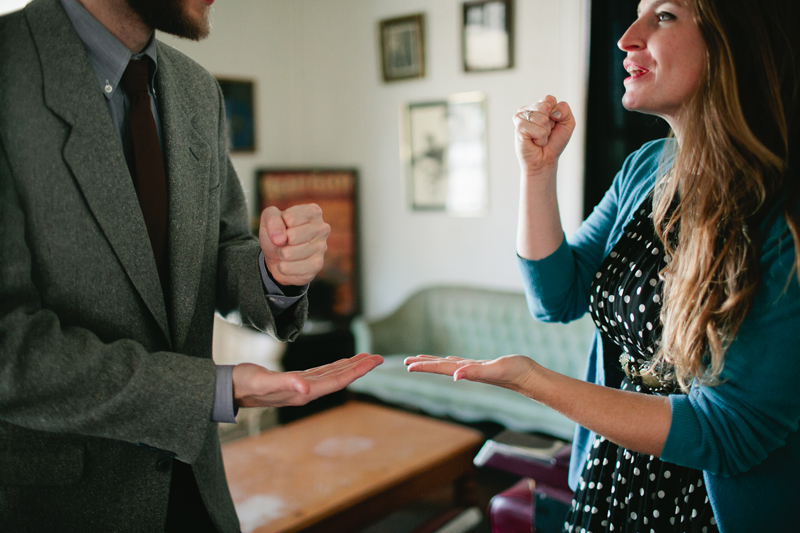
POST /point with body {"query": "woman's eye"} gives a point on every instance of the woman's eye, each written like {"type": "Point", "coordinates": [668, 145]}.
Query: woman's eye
{"type": "Point", "coordinates": [663, 16]}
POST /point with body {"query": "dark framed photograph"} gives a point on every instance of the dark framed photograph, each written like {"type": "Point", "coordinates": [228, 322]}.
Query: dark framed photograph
{"type": "Point", "coordinates": [487, 35]}
{"type": "Point", "coordinates": [428, 139]}
{"type": "Point", "coordinates": [403, 47]}
{"type": "Point", "coordinates": [239, 114]}
{"type": "Point", "coordinates": [334, 294]}
{"type": "Point", "coordinates": [446, 154]}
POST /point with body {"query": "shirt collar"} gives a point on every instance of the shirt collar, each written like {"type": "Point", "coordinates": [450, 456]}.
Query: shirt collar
{"type": "Point", "coordinates": [108, 56]}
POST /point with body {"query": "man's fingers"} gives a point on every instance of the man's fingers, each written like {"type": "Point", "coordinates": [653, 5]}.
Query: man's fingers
{"type": "Point", "coordinates": [336, 376]}
{"type": "Point", "coordinates": [298, 269]}
{"type": "Point", "coordinates": [311, 231]}
{"type": "Point", "coordinates": [299, 252]}
{"type": "Point", "coordinates": [347, 374]}
{"type": "Point", "coordinates": [336, 366]}
{"type": "Point", "coordinates": [294, 243]}
{"type": "Point", "coordinates": [343, 365]}
{"type": "Point", "coordinates": [298, 215]}
{"type": "Point", "coordinates": [275, 226]}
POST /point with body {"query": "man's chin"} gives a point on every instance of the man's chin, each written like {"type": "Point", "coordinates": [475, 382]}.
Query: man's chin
{"type": "Point", "coordinates": [186, 27]}
{"type": "Point", "coordinates": [170, 16]}
{"type": "Point", "coordinates": [193, 33]}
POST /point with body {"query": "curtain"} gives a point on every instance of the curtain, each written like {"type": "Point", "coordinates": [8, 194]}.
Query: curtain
{"type": "Point", "coordinates": [612, 132]}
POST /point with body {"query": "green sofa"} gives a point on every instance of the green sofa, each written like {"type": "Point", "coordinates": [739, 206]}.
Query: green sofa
{"type": "Point", "coordinates": [478, 324]}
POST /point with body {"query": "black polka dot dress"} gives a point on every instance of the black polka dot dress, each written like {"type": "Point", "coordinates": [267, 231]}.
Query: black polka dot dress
{"type": "Point", "coordinates": [622, 490]}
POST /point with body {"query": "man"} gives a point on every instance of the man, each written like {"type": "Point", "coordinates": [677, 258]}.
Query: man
{"type": "Point", "coordinates": [122, 230]}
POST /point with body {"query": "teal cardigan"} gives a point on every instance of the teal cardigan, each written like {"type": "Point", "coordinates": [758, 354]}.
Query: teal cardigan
{"type": "Point", "coordinates": [742, 433]}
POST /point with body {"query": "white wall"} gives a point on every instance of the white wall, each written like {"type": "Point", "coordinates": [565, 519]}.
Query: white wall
{"type": "Point", "coordinates": [321, 102]}
{"type": "Point", "coordinates": [7, 6]}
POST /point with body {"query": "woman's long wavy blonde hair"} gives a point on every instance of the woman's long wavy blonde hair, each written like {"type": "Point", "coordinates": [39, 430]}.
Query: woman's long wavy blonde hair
{"type": "Point", "coordinates": [736, 162]}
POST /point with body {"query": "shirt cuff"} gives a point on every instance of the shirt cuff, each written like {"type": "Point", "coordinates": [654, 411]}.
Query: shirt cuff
{"type": "Point", "coordinates": [223, 410]}
{"type": "Point", "coordinates": [278, 301]}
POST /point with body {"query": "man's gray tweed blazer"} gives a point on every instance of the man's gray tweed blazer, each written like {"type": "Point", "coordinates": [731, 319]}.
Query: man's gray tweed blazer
{"type": "Point", "coordinates": [102, 377]}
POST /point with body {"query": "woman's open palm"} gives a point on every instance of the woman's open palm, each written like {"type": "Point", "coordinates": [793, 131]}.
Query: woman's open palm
{"type": "Point", "coordinates": [513, 372]}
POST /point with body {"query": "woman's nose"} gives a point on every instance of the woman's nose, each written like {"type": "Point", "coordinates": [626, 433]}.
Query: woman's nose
{"type": "Point", "coordinates": [632, 39]}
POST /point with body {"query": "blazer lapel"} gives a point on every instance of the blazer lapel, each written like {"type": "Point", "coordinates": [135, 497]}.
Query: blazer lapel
{"type": "Point", "coordinates": [92, 150]}
{"type": "Point", "coordinates": [188, 162]}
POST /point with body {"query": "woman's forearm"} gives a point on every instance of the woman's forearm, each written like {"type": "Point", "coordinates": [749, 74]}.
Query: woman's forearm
{"type": "Point", "coordinates": [639, 422]}
{"type": "Point", "coordinates": [539, 231]}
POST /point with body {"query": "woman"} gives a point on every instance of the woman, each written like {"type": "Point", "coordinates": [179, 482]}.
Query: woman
{"type": "Point", "coordinates": [689, 269]}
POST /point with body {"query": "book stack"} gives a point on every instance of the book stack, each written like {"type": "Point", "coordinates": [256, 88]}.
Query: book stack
{"type": "Point", "coordinates": [545, 496]}
{"type": "Point", "coordinates": [540, 457]}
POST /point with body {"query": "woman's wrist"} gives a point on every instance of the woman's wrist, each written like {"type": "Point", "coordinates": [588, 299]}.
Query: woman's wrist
{"type": "Point", "coordinates": [541, 174]}
{"type": "Point", "coordinates": [530, 382]}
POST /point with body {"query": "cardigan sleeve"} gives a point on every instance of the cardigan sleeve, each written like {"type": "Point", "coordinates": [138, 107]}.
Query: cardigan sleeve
{"type": "Point", "coordinates": [557, 286]}
{"type": "Point", "coordinates": [729, 428]}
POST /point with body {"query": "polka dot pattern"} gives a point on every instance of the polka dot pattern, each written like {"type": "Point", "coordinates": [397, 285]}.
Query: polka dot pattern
{"type": "Point", "coordinates": [628, 300]}
{"type": "Point", "coordinates": [625, 490]}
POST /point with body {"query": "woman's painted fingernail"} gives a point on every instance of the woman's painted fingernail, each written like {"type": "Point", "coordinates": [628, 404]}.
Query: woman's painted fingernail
{"type": "Point", "coordinates": [556, 114]}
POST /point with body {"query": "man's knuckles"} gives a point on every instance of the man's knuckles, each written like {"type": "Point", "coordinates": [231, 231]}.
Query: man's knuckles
{"type": "Point", "coordinates": [301, 214]}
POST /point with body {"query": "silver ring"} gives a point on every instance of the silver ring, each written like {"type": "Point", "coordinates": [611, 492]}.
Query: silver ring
{"type": "Point", "coordinates": [528, 115]}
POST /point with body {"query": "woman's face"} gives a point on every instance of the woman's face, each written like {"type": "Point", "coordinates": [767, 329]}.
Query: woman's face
{"type": "Point", "coordinates": [666, 58]}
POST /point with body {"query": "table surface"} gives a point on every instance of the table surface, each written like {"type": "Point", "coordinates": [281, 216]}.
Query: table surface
{"type": "Point", "coordinates": [294, 476]}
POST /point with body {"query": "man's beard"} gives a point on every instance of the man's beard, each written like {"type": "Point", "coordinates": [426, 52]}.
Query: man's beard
{"type": "Point", "coordinates": [168, 16]}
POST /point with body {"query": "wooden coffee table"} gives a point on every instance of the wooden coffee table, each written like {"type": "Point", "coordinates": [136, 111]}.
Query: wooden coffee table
{"type": "Point", "coordinates": [344, 468]}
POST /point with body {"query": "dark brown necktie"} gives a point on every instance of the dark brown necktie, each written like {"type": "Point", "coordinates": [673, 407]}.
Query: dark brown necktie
{"type": "Point", "coordinates": [149, 177]}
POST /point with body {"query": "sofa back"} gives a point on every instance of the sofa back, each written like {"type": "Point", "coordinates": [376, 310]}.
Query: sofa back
{"type": "Point", "coordinates": [479, 323]}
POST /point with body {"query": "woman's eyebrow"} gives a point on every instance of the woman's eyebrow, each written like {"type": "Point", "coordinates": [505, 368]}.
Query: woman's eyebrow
{"type": "Point", "coordinates": [655, 5]}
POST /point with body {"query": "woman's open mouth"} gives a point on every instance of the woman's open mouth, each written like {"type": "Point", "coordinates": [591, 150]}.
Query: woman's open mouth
{"type": "Point", "coordinates": [634, 70]}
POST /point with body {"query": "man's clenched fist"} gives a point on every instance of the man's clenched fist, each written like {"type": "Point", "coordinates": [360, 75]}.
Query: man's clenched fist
{"type": "Point", "coordinates": [294, 242]}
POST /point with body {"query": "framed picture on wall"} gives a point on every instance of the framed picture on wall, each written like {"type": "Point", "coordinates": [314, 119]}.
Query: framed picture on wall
{"type": "Point", "coordinates": [444, 145]}
{"type": "Point", "coordinates": [403, 47]}
{"type": "Point", "coordinates": [428, 136]}
{"type": "Point", "coordinates": [334, 294]}
{"type": "Point", "coordinates": [239, 113]}
{"type": "Point", "coordinates": [487, 35]}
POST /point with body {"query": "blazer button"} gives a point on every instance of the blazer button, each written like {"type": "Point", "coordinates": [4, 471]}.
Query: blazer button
{"type": "Point", "coordinates": [164, 464]}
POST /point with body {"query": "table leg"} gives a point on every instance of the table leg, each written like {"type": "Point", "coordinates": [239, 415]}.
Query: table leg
{"type": "Point", "coordinates": [465, 491]}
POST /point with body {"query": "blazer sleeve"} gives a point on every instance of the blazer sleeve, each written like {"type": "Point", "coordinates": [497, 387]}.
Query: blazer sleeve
{"type": "Point", "coordinates": [240, 287]}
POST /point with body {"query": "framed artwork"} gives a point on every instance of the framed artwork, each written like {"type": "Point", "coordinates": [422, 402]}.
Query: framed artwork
{"type": "Point", "coordinates": [487, 35]}
{"type": "Point", "coordinates": [403, 47]}
{"type": "Point", "coordinates": [239, 114]}
{"type": "Point", "coordinates": [334, 294]}
{"type": "Point", "coordinates": [445, 152]}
